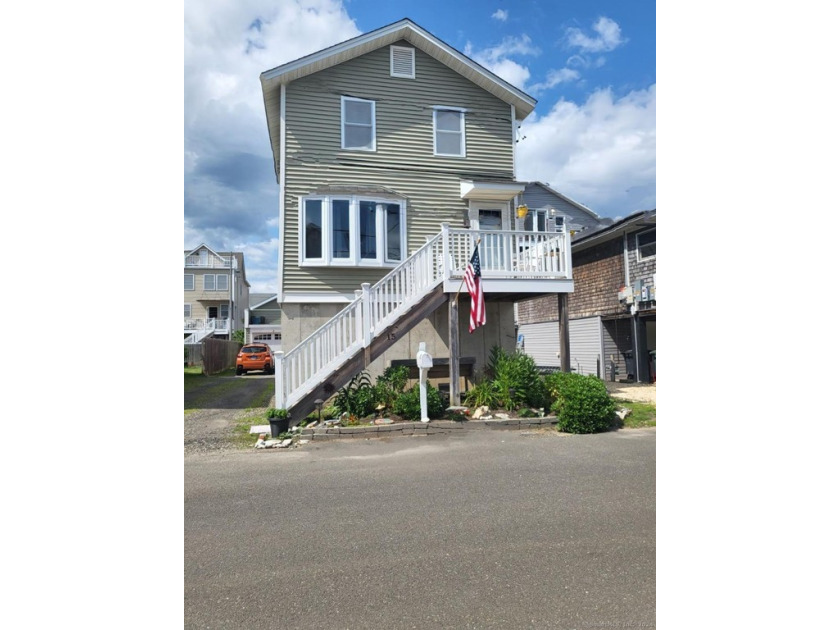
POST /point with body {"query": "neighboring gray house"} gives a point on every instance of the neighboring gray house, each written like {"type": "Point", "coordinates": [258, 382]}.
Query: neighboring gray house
{"type": "Point", "coordinates": [394, 154]}
{"type": "Point", "coordinates": [547, 207]}
{"type": "Point", "coordinates": [612, 313]}
{"type": "Point", "coordinates": [263, 320]}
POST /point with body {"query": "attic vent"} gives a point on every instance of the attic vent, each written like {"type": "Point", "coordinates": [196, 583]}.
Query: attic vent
{"type": "Point", "coordinates": [402, 62]}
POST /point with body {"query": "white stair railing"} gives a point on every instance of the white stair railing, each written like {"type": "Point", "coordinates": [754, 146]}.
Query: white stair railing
{"type": "Point", "coordinates": [376, 307]}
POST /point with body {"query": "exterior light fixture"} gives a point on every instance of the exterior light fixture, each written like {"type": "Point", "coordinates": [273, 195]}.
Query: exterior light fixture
{"type": "Point", "coordinates": [521, 211]}
{"type": "Point", "coordinates": [319, 402]}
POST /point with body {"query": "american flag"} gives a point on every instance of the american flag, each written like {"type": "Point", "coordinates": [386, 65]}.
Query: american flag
{"type": "Point", "coordinates": [472, 278]}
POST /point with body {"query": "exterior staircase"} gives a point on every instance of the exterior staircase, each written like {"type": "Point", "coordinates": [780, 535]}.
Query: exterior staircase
{"type": "Point", "coordinates": [382, 313]}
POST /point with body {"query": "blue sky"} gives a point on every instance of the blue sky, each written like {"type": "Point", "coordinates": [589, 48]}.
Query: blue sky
{"type": "Point", "coordinates": [590, 65]}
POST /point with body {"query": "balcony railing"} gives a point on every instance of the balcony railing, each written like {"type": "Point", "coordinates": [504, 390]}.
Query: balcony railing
{"type": "Point", "coordinates": [213, 323]}
{"type": "Point", "coordinates": [210, 262]}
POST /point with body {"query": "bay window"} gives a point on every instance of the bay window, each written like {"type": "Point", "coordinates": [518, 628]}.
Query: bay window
{"type": "Point", "coordinates": [352, 231]}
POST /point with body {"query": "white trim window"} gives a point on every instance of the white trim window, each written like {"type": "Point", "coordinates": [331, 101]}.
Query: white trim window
{"type": "Point", "coordinates": [224, 311]}
{"type": "Point", "coordinates": [535, 221]}
{"type": "Point", "coordinates": [214, 282]}
{"type": "Point", "coordinates": [189, 282]}
{"type": "Point", "coordinates": [358, 124]}
{"type": "Point", "coordinates": [352, 230]}
{"type": "Point", "coordinates": [646, 244]}
{"type": "Point", "coordinates": [449, 132]}
{"type": "Point", "coordinates": [187, 311]}
{"type": "Point", "coordinates": [402, 62]}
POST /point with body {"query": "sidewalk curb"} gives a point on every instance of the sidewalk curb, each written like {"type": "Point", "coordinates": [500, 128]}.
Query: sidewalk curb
{"type": "Point", "coordinates": [434, 427]}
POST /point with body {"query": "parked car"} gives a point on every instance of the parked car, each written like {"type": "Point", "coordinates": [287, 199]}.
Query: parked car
{"type": "Point", "coordinates": [255, 356]}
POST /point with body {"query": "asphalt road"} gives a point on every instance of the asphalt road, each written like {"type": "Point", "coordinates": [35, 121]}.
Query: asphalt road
{"type": "Point", "coordinates": [490, 529]}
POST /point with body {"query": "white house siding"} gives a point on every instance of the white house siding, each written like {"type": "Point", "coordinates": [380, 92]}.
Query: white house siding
{"type": "Point", "coordinates": [403, 162]}
{"type": "Point", "coordinates": [542, 342]}
{"type": "Point", "coordinates": [585, 351]}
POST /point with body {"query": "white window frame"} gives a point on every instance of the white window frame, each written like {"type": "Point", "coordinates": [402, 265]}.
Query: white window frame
{"type": "Point", "coordinates": [463, 132]}
{"type": "Point", "coordinates": [372, 148]}
{"type": "Point", "coordinates": [355, 259]}
{"type": "Point", "coordinates": [227, 308]}
{"type": "Point", "coordinates": [536, 212]}
{"type": "Point", "coordinates": [219, 277]}
{"type": "Point", "coordinates": [187, 311]}
{"type": "Point", "coordinates": [191, 276]}
{"type": "Point", "coordinates": [639, 256]}
{"type": "Point", "coordinates": [402, 49]}
{"type": "Point", "coordinates": [205, 284]}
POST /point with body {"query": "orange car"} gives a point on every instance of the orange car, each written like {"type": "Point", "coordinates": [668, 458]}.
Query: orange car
{"type": "Point", "coordinates": [255, 356]}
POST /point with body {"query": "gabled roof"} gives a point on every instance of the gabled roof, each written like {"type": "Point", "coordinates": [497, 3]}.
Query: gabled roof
{"type": "Point", "coordinates": [260, 299]}
{"type": "Point", "coordinates": [212, 251]}
{"type": "Point", "coordinates": [406, 30]}
{"type": "Point", "coordinates": [580, 206]}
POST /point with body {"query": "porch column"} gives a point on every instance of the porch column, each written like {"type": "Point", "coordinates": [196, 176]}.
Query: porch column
{"type": "Point", "coordinates": [565, 351]}
{"type": "Point", "coordinates": [454, 353]}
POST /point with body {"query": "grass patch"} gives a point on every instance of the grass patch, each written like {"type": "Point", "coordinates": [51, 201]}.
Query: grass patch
{"type": "Point", "coordinates": [641, 414]}
{"type": "Point", "coordinates": [254, 414]}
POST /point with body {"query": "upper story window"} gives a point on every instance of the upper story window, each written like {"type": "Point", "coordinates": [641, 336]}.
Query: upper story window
{"type": "Point", "coordinates": [358, 124]}
{"type": "Point", "coordinates": [351, 230]}
{"type": "Point", "coordinates": [450, 138]}
{"type": "Point", "coordinates": [189, 282]}
{"type": "Point", "coordinates": [187, 310]}
{"type": "Point", "coordinates": [215, 282]}
{"type": "Point", "coordinates": [402, 62]}
{"type": "Point", "coordinates": [646, 244]}
{"type": "Point", "coordinates": [535, 221]}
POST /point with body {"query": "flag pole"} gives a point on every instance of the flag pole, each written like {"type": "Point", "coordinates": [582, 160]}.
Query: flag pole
{"type": "Point", "coordinates": [458, 294]}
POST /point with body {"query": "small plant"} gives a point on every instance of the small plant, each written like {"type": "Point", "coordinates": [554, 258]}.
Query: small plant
{"type": "Point", "coordinates": [584, 405]}
{"type": "Point", "coordinates": [281, 414]}
{"type": "Point", "coordinates": [482, 395]}
{"type": "Point", "coordinates": [526, 412]}
{"type": "Point", "coordinates": [358, 397]}
{"type": "Point", "coordinates": [391, 384]}
{"type": "Point", "coordinates": [407, 404]}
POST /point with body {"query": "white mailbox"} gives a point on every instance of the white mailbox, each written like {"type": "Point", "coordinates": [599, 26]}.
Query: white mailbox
{"type": "Point", "coordinates": [424, 359]}
{"type": "Point", "coordinates": [424, 362]}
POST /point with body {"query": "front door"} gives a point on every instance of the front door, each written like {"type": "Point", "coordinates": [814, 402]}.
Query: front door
{"type": "Point", "coordinates": [491, 219]}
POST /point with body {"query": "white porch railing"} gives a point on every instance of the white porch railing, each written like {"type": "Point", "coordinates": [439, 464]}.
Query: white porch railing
{"type": "Point", "coordinates": [509, 254]}
{"type": "Point", "coordinates": [212, 323]}
{"type": "Point", "coordinates": [504, 254]}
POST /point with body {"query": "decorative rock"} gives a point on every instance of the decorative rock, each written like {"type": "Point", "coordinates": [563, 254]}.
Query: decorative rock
{"type": "Point", "coordinates": [383, 421]}
{"type": "Point", "coordinates": [503, 416]}
{"type": "Point", "coordinates": [485, 417]}
{"type": "Point", "coordinates": [481, 411]}
{"type": "Point", "coordinates": [285, 443]}
{"type": "Point", "coordinates": [622, 413]}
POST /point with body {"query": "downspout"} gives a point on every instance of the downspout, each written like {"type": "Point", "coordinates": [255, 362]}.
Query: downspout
{"type": "Point", "coordinates": [635, 317]}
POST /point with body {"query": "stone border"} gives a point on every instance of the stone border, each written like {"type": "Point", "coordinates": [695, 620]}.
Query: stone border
{"type": "Point", "coordinates": [419, 428]}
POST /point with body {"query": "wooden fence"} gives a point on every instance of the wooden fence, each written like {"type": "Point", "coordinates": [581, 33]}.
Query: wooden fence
{"type": "Point", "coordinates": [214, 355]}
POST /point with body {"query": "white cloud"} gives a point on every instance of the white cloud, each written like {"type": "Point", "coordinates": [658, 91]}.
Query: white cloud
{"type": "Point", "coordinates": [497, 59]}
{"type": "Point", "coordinates": [500, 15]}
{"type": "Point", "coordinates": [601, 153]}
{"type": "Point", "coordinates": [608, 37]}
{"type": "Point", "coordinates": [554, 78]}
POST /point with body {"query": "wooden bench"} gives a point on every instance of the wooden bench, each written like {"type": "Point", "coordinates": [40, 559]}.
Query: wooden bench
{"type": "Point", "coordinates": [439, 369]}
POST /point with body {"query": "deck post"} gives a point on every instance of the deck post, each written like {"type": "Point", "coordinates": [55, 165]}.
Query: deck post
{"type": "Point", "coordinates": [279, 371]}
{"type": "Point", "coordinates": [565, 350]}
{"type": "Point", "coordinates": [447, 267]}
{"type": "Point", "coordinates": [454, 353]}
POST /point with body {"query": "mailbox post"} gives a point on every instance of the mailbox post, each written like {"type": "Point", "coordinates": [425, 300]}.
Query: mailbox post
{"type": "Point", "coordinates": [424, 362]}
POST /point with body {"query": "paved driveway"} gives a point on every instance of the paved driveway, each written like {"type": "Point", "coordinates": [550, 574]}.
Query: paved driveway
{"type": "Point", "coordinates": [492, 529]}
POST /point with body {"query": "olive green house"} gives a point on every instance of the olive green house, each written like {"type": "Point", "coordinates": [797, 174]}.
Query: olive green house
{"type": "Point", "coordinates": [395, 158]}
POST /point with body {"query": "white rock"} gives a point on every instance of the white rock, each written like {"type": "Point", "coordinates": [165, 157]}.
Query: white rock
{"type": "Point", "coordinates": [503, 416]}
{"type": "Point", "coordinates": [622, 413]}
{"type": "Point", "coordinates": [286, 443]}
{"type": "Point", "coordinates": [480, 411]}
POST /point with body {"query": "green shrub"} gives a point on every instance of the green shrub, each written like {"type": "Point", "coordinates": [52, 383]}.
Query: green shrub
{"type": "Point", "coordinates": [391, 384]}
{"type": "Point", "coordinates": [483, 394]}
{"type": "Point", "coordinates": [358, 397]}
{"type": "Point", "coordinates": [282, 414]}
{"type": "Point", "coordinates": [515, 378]}
{"type": "Point", "coordinates": [407, 404]}
{"type": "Point", "coordinates": [583, 404]}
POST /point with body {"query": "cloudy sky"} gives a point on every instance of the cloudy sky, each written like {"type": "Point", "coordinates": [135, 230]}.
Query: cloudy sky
{"type": "Point", "coordinates": [591, 65]}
